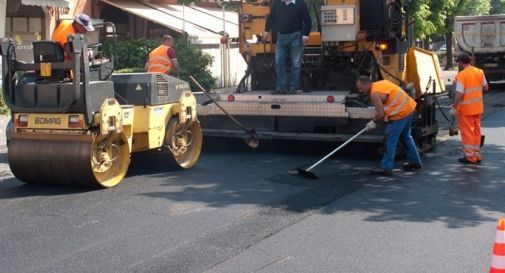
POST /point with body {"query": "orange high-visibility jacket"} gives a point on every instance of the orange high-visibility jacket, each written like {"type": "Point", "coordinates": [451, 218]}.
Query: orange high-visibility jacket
{"type": "Point", "coordinates": [398, 104]}
{"type": "Point", "coordinates": [61, 33]}
{"type": "Point", "coordinates": [472, 79]}
{"type": "Point", "coordinates": [159, 60]}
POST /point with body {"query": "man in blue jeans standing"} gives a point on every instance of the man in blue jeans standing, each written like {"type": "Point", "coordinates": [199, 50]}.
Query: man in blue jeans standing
{"type": "Point", "coordinates": [395, 107]}
{"type": "Point", "coordinates": [292, 21]}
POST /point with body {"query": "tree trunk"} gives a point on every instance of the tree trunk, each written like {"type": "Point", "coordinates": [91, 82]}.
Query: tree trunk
{"type": "Point", "coordinates": [448, 43]}
{"type": "Point", "coordinates": [426, 42]}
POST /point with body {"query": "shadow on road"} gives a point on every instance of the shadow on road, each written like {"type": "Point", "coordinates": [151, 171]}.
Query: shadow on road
{"type": "Point", "coordinates": [444, 190]}
{"type": "Point", "coordinates": [228, 174]}
{"type": "Point", "coordinates": [452, 193]}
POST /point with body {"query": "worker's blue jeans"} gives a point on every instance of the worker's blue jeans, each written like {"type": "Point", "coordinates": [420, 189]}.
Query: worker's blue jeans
{"type": "Point", "coordinates": [288, 44]}
{"type": "Point", "coordinates": [395, 130]}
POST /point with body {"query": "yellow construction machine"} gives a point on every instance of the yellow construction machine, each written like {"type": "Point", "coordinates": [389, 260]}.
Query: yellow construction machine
{"type": "Point", "coordinates": [350, 38]}
{"type": "Point", "coordinates": [76, 123]}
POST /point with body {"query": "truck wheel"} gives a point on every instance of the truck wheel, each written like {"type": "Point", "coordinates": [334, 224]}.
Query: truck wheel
{"type": "Point", "coordinates": [183, 142]}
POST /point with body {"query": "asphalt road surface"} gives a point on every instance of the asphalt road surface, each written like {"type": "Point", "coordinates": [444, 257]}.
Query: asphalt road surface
{"type": "Point", "coordinates": [246, 211]}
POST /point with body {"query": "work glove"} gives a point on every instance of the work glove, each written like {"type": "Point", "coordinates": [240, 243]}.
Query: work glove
{"type": "Point", "coordinates": [371, 125]}
{"type": "Point", "coordinates": [265, 36]}
{"type": "Point", "coordinates": [452, 111]}
{"type": "Point", "coordinates": [305, 40]}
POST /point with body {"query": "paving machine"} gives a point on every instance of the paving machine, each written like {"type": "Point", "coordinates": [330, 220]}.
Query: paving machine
{"type": "Point", "coordinates": [353, 37]}
{"type": "Point", "coordinates": [76, 123]}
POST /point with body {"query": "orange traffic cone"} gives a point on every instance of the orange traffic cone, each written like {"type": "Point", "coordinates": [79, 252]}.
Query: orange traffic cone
{"type": "Point", "coordinates": [498, 260]}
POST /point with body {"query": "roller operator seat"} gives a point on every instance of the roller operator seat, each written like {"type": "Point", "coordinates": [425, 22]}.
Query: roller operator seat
{"type": "Point", "coordinates": [49, 52]}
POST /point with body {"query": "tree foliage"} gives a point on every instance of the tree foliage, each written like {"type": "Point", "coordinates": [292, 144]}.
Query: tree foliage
{"type": "Point", "coordinates": [187, 2]}
{"type": "Point", "coordinates": [497, 7]}
{"type": "Point", "coordinates": [421, 13]}
{"type": "Point", "coordinates": [196, 63]}
{"type": "Point", "coordinates": [132, 56]}
{"type": "Point", "coordinates": [435, 17]}
{"type": "Point", "coordinates": [4, 110]}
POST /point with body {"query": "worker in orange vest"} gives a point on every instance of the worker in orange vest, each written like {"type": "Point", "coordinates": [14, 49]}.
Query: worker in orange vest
{"type": "Point", "coordinates": [394, 106]}
{"type": "Point", "coordinates": [468, 105]}
{"type": "Point", "coordinates": [163, 58]}
{"type": "Point", "coordinates": [80, 25]}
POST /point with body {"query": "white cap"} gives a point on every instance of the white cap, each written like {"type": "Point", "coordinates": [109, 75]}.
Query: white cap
{"type": "Point", "coordinates": [85, 21]}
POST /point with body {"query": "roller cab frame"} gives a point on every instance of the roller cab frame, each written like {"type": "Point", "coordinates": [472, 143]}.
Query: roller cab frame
{"type": "Point", "coordinates": [76, 123]}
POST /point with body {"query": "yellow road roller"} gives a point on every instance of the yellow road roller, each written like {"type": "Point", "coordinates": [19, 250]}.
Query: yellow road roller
{"type": "Point", "coordinates": [76, 123]}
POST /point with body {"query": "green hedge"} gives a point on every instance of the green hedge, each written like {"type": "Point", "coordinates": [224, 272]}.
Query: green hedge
{"type": "Point", "coordinates": [4, 110]}
{"type": "Point", "coordinates": [132, 56]}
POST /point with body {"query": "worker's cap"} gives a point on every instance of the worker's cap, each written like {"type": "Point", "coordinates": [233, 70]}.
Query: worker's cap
{"type": "Point", "coordinates": [84, 21]}
{"type": "Point", "coordinates": [463, 57]}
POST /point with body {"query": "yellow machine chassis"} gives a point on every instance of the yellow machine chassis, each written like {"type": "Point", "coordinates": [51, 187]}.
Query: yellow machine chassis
{"type": "Point", "coordinates": [47, 150]}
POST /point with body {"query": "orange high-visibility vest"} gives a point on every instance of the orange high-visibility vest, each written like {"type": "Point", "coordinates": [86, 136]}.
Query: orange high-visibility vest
{"type": "Point", "coordinates": [398, 104]}
{"type": "Point", "coordinates": [61, 33]}
{"type": "Point", "coordinates": [471, 103]}
{"type": "Point", "coordinates": [159, 60]}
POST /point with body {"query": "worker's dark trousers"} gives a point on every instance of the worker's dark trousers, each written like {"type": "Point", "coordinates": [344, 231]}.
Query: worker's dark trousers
{"type": "Point", "coordinates": [288, 44]}
{"type": "Point", "coordinates": [399, 129]}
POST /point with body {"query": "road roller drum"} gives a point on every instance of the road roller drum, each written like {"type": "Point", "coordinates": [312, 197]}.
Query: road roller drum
{"type": "Point", "coordinates": [68, 160]}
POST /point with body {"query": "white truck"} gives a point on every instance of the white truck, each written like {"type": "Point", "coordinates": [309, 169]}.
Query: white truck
{"type": "Point", "coordinates": [483, 37]}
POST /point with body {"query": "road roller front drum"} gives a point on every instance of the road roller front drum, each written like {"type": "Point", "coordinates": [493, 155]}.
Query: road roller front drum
{"type": "Point", "coordinates": [84, 160]}
{"type": "Point", "coordinates": [183, 142]}
{"type": "Point", "coordinates": [110, 158]}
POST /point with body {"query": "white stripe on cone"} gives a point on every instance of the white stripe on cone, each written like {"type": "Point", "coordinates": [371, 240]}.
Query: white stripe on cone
{"type": "Point", "coordinates": [498, 262]}
{"type": "Point", "coordinates": [500, 238]}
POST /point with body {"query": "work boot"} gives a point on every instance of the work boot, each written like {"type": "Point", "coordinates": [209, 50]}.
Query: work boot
{"type": "Point", "coordinates": [381, 172]}
{"type": "Point", "coordinates": [466, 161]}
{"type": "Point", "coordinates": [412, 166]}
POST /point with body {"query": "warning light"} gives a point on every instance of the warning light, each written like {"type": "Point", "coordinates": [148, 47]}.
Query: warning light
{"type": "Point", "coordinates": [382, 46]}
{"type": "Point", "coordinates": [74, 121]}
{"type": "Point", "coordinates": [22, 121]}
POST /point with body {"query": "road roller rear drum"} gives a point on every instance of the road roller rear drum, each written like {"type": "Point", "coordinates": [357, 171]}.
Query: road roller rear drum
{"type": "Point", "coordinates": [183, 142]}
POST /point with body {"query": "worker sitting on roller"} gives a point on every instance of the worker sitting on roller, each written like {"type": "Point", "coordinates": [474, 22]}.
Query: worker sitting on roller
{"type": "Point", "coordinates": [395, 107]}
{"type": "Point", "coordinates": [80, 25]}
{"type": "Point", "coordinates": [163, 58]}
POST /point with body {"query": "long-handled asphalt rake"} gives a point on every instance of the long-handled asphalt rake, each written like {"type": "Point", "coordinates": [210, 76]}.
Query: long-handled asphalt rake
{"type": "Point", "coordinates": [308, 174]}
{"type": "Point", "coordinates": [252, 138]}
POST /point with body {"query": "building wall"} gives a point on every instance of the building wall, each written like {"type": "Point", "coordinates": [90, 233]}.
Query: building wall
{"type": "Point", "coordinates": [31, 23]}
{"type": "Point", "coordinates": [129, 26]}
{"type": "Point", "coordinates": [203, 3]}
{"type": "Point", "coordinates": [3, 6]}
{"type": "Point", "coordinates": [25, 25]}
{"type": "Point", "coordinates": [228, 72]}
